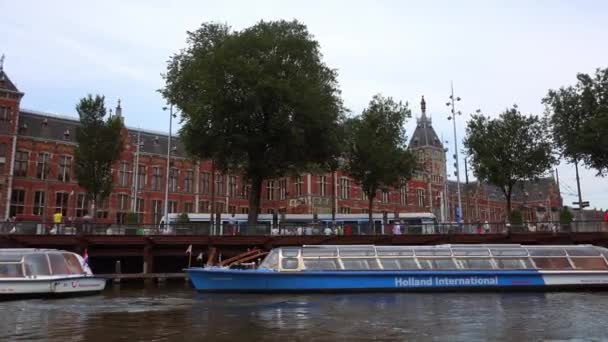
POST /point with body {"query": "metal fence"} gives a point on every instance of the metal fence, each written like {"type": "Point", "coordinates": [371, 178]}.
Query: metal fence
{"type": "Point", "coordinates": [308, 229]}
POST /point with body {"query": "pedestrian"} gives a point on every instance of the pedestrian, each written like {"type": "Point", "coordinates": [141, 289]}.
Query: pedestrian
{"type": "Point", "coordinates": [57, 219]}
{"type": "Point", "coordinates": [606, 220]}
{"type": "Point", "coordinates": [396, 228]}
{"type": "Point", "coordinates": [486, 227]}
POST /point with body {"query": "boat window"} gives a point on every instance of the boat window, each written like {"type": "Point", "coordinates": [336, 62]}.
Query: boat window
{"type": "Point", "coordinates": [475, 263]}
{"type": "Point", "coordinates": [583, 263]}
{"type": "Point", "coordinates": [360, 264]}
{"type": "Point", "coordinates": [58, 264]}
{"type": "Point", "coordinates": [433, 252]}
{"type": "Point", "coordinates": [8, 257]}
{"type": "Point", "coordinates": [321, 264]}
{"type": "Point", "coordinates": [319, 252]}
{"type": "Point", "coordinates": [399, 263]}
{"type": "Point", "coordinates": [439, 264]}
{"type": "Point", "coordinates": [513, 264]}
{"type": "Point", "coordinates": [394, 252]}
{"type": "Point", "coordinates": [271, 261]}
{"type": "Point", "coordinates": [357, 252]}
{"type": "Point", "coordinates": [289, 263]}
{"type": "Point", "coordinates": [509, 252]}
{"type": "Point", "coordinates": [585, 251]}
{"type": "Point", "coordinates": [547, 252]}
{"type": "Point", "coordinates": [290, 252]}
{"type": "Point", "coordinates": [471, 252]}
{"type": "Point", "coordinates": [73, 263]}
{"type": "Point", "coordinates": [36, 265]}
{"type": "Point", "coordinates": [552, 263]}
{"type": "Point", "coordinates": [12, 270]}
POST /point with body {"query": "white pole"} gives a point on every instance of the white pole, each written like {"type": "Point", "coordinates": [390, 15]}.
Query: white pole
{"type": "Point", "coordinates": [136, 173]}
{"type": "Point", "coordinates": [459, 209]}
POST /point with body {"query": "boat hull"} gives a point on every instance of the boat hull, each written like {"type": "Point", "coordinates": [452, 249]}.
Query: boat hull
{"type": "Point", "coordinates": [227, 280]}
{"type": "Point", "coordinates": [51, 287]}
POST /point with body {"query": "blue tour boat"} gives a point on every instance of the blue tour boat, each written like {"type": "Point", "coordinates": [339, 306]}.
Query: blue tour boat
{"type": "Point", "coordinates": [407, 268]}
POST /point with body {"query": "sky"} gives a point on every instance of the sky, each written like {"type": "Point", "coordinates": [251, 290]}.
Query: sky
{"type": "Point", "coordinates": [496, 53]}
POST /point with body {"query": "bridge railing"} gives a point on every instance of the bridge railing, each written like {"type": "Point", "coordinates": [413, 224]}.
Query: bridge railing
{"type": "Point", "coordinates": [304, 229]}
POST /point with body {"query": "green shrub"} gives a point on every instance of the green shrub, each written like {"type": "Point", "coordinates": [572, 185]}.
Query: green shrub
{"type": "Point", "coordinates": [516, 217]}
{"type": "Point", "coordinates": [565, 216]}
{"type": "Point", "coordinates": [132, 218]}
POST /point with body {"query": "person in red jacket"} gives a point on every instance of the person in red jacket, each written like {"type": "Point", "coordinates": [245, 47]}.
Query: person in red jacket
{"type": "Point", "coordinates": [606, 219]}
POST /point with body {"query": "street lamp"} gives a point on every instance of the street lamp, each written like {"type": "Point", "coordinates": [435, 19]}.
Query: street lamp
{"type": "Point", "coordinates": [136, 173]}
{"type": "Point", "coordinates": [171, 116]}
{"type": "Point", "coordinates": [453, 118]}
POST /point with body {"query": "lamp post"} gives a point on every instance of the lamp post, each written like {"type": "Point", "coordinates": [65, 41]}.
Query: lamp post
{"type": "Point", "coordinates": [136, 173]}
{"type": "Point", "coordinates": [453, 118]}
{"type": "Point", "coordinates": [166, 211]}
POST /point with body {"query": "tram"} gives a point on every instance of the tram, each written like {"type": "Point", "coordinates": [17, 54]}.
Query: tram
{"type": "Point", "coordinates": [408, 268]}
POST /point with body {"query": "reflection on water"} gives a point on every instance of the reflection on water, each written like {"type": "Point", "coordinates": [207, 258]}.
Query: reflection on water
{"type": "Point", "coordinates": [176, 313]}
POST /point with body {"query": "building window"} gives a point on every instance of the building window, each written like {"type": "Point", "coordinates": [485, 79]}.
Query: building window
{"type": "Point", "coordinates": [188, 207]}
{"type": "Point", "coordinates": [344, 210]}
{"type": "Point", "coordinates": [188, 179]}
{"type": "Point", "coordinates": [141, 176]}
{"type": "Point", "coordinates": [299, 182]}
{"type": "Point", "coordinates": [205, 183]}
{"type": "Point", "coordinates": [157, 210]}
{"type": "Point", "coordinates": [244, 210]}
{"type": "Point", "coordinates": [140, 209]}
{"type": "Point", "coordinates": [123, 202]}
{"type": "Point", "coordinates": [219, 207]}
{"type": "Point", "coordinates": [173, 180]}
{"type": "Point", "coordinates": [61, 203]}
{"type": "Point", "coordinates": [203, 206]}
{"type": "Point", "coordinates": [219, 185]}
{"type": "Point", "coordinates": [17, 202]}
{"type": "Point", "coordinates": [270, 190]}
{"type": "Point", "coordinates": [123, 174]}
{"type": "Point", "coordinates": [385, 196]}
{"type": "Point", "coordinates": [5, 114]}
{"type": "Point", "coordinates": [81, 205]}
{"type": "Point", "coordinates": [65, 167]}
{"type": "Point", "coordinates": [20, 164]}
{"type": "Point", "coordinates": [364, 196]}
{"type": "Point", "coordinates": [232, 209]}
{"type": "Point", "coordinates": [156, 178]}
{"type": "Point", "coordinates": [38, 203]}
{"type": "Point", "coordinates": [323, 185]}
{"type": "Point", "coordinates": [103, 208]}
{"type": "Point", "coordinates": [172, 207]}
{"type": "Point", "coordinates": [403, 195]}
{"type": "Point", "coordinates": [282, 188]}
{"type": "Point", "coordinates": [232, 186]}
{"type": "Point", "coordinates": [344, 188]}
{"type": "Point", "coordinates": [245, 189]}
{"type": "Point", "coordinates": [42, 166]}
{"type": "Point", "coordinates": [420, 197]}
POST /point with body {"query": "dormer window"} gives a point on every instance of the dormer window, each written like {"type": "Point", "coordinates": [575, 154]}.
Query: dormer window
{"type": "Point", "coordinates": [23, 128]}
{"type": "Point", "coordinates": [45, 123]}
{"type": "Point", "coordinates": [66, 134]}
{"type": "Point", "coordinates": [156, 140]}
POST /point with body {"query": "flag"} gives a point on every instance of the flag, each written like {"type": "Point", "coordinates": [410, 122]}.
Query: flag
{"type": "Point", "coordinates": [200, 256]}
{"type": "Point", "coordinates": [189, 250]}
{"type": "Point", "coordinates": [85, 258]}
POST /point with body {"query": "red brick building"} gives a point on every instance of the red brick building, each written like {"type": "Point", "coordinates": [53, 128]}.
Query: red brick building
{"type": "Point", "coordinates": [36, 177]}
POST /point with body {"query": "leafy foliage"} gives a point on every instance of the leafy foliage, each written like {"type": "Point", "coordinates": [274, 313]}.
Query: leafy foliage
{"type": "Point", "coordinates": [99, 146]}
{"type": "Point", "coordinates": [509, 149]}
{"type": "Point", "coordinates": [565, 216]}
{"type": "Point", "coordinates": [376, 154]}
{"type": "Point", "coordinates": [258, 101]}
{"type": "Point", "coordinates": [579, 119]}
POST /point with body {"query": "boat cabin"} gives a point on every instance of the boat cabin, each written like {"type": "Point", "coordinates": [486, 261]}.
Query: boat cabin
{"type": "Point", "coordinates": [440, 257]}
{"type": "Point", "coordinates": [32, 263]}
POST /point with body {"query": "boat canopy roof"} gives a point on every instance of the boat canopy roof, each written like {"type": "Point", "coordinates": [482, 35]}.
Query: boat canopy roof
{"type": "Point", "coordinates": [31, 263]}
{"type": "Point", "coordinates": [457, 257]}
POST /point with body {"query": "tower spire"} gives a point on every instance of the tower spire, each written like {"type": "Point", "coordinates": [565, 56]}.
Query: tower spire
{"type": "Point", "coordinates": [423, 107]}
{"type": "Point", "coordinates": [118, 110]}
{"type": "Point", "coordinates": [2, 63]}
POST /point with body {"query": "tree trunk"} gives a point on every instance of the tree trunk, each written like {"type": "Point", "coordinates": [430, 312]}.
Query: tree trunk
{"type": "Point", "coordinates": [254, 200]}
{"type": "Point", "coordinates": [508, 196]}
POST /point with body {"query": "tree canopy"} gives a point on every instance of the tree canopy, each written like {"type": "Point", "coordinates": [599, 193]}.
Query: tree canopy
{"type": "Point", "coordinates": [579, 120]}
{"type": "Point", "coordinates": [376, 154]}
{"type": "Point", "coordinates": [99, 146]}
{"type": "Point", "coordinates": [259, 101]}
{"type": "Point", "coordinates": [508, 149]}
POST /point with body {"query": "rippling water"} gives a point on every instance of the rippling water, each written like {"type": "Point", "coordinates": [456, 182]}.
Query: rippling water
{"type": "Point", "coordinates": [175, 312]}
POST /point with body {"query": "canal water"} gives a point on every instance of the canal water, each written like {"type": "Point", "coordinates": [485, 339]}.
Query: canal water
{"type": "Point", "coordinates": [175, 312]}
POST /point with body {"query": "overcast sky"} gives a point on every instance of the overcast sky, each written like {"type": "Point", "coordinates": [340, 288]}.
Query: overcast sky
{"type": "Point", "coordinates": [496, 53]}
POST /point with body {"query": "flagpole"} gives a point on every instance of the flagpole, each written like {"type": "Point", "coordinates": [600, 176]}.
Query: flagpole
{"type": "Point", "coordinates": [189, 259]}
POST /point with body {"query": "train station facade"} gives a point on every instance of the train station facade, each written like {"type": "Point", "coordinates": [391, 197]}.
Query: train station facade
{"type": "Point", "coordinates": [37, 178]}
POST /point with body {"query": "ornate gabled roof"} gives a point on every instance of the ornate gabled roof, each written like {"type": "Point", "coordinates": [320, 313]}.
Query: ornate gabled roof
{"type": "Point", "coordinates": [424, 134]}
{"type": "Point", "coordinates": [6, 83]}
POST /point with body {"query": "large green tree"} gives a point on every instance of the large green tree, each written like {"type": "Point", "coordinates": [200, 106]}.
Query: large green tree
{"type": "Point", "coordinates": [508, 149]}
{"type": "Point", "coordinates": [99, 147]}
{"type": "Point", "coordinates": [579, 120]}
{"type": "Point", "coordinates": [376, 155]}
{"type": "Point", "coordinates": [259, 101]}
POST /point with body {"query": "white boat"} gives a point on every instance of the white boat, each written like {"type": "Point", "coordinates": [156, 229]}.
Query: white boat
{"type": "Point", "coordinates": [29, 272]}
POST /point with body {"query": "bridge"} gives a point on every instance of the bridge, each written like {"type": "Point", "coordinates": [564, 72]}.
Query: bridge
{"type": "Point", "coordinates": [166, 254]}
